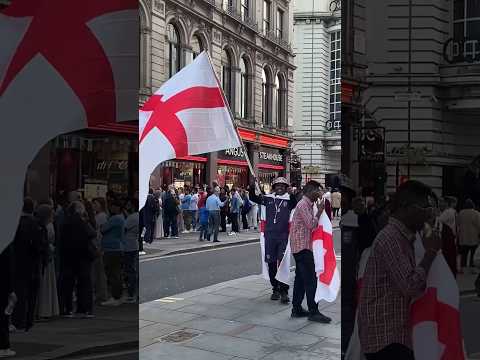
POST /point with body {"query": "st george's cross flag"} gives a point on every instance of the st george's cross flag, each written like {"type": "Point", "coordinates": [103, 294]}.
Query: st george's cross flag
{"type": "Point", "coordinates": [188, 115]}
{"type": "Point", "coordinates": [328, 277]}
{"type": "Point", "coordinates": [435, 316]}
{"type": "Point", "coordinates": [64, 66]}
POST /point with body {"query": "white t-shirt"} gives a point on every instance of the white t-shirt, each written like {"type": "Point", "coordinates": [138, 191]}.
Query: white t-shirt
{"type": "Point", "coordinates": [193, 203]}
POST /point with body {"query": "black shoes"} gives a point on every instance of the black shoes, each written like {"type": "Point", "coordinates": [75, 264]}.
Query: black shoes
{"type": "Point", "coordinates": [284, 298]}
{"type": "Point", "coordinates": [275, 295]}
{"type": "Point", "coordinates": [320, 318]}
{"type": "Point", "coordinates": [299, 313]}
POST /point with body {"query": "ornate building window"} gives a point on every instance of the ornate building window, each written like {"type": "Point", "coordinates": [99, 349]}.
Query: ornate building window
{"type": "Point", "coordinates": [266, 96]}
{"type": "Point", "coordinates": [174, 50]}
{"type": "Point", "coordinates": [266, 16]}
{"type": "Point", "coordinates": [335, 82]}
{"type": "Point", "coordinates": [244, 88]}
{"type": "Point", "coordinates": [245, 9]}
{"type": "Point", "coordinates": [227, 75]}
{"type": "Point", "coordinates": [281, 94]}
{"type": "Point", "coordinates": [280, 17]}
{"type": "Point", "coordinates": [466, 30]}
{"type": "Point", "coordinates": [197, 46]}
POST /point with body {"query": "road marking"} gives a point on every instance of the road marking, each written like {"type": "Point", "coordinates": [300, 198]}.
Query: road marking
{"type": "Point", "coordinates": [196, 252]}
{"type": "Point", "coordinates": [169, 300]}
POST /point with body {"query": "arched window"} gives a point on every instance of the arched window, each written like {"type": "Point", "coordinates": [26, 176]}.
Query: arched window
{"type": "Point", "coordinates": [265, 97]}
{"type": "Point", "coordinates": [280, 89]}
{"type": "Point", "coordinates": [173, 44]}
{"type": "Point", "coordinates": [227, 75]}
{"type": "Point", "coordinates": [244, 89]}
{"type": "Point", "coordinates": [197, 46]}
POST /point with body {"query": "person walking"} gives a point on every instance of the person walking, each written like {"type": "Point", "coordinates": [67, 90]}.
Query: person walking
{"type": "Point", "coordinates": [246, 208]}
{"type": "Point", "coordinates": [130, 250]}
{"type": "Point", "coordinates": [236, 204]}
{"type": "Point", "coordinates": [468, 235]}
{"type": "Point", "coordinates": [336, 203]}
{"type": "Point", "coordinates": [98, 276]}
{"type": "Point", "coordinates": [77, 237]}
{"type": "Point", "coordinates": [213, 206]}
{"type": "Point", "coordinates": [47, 304]}
{"type": "Point", "coordinates": [179, 198]}
{"type": "Point", "coordinates": [150, 214]}
{"type": "Point", "coordinates": [159, 222]}
{"type": "Point", "coordinates": [277, 209]}
{"type": "Point", "coordinates": [194, 208]}
{"type": "Point", "coordinates": [112, 245]}
{"type": "Point", "coordinates": [170, 211]}
{"type": "Point", "coordinates": [392, 279]}
{"type": "Point", "coordinates": [303, 223]}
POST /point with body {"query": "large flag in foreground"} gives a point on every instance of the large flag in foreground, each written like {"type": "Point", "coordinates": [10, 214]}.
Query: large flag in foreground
{"type": "Point", "coordinates": [328, 277]}
{"type": "Point", "coordinates": [436, 331]}
{"type": "Point", "coordinates": [435, 315]}
{"type": "Point", "coordinates": [64, 66]}
{"type": "Point", "coordinates": [188, 115]}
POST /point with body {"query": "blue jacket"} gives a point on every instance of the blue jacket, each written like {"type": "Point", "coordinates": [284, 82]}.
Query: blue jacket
{"type": "Point", "coordinates": [186, 202]}
{"type": "Point", "coordinates": [113, 233]}
{"type": "Point", "coordinates": [203, 215]}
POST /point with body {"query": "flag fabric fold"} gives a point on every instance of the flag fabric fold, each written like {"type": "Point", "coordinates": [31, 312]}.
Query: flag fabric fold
{"type": "Point", "coordinates": [47, 86]}
{"type": "Point", "coordinates": [328, 277]}
{"type": "Point", "coordinates": [188, 115]}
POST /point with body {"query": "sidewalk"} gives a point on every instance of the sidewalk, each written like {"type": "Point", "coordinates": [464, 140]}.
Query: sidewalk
{"type": "Point", "coordinates": [115, 328]}
{"type": "Point", "coordinates": [234, 320]}
{"type": "Point", "coordinates": [189, 242]}
{"type": "Point", "coordinates": [466, 282]}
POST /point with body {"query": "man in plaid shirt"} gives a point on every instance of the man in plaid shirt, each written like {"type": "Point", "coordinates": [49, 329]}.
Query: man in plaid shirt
{"type": "Point", "coordinates": [392, 279]}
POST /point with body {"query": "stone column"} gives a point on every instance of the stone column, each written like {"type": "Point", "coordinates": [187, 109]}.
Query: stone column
{"type": "Point", "coordinates": [235, 89]}
{"type": "Point", "coordinates": [211, 168]}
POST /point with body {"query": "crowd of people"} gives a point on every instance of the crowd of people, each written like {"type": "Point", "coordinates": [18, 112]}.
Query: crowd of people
{"type": "Point", "coordinates": [66, 257]}
{"type": "Point", "coordinates": [384, 232]}
{"type": "Point", "coordinates": [170, 211]}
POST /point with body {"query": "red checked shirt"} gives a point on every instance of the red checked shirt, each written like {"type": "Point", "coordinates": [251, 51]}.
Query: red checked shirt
{"type": "Point", "coordinates": [303, 223]}
{"type": "Point", "coordinates": [390, 283]}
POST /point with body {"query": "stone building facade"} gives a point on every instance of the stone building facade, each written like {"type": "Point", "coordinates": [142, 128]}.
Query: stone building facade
{"type": "Point", "coordinates": [317, 138]}
{"type": "Point", "coordinates": [249, 43]}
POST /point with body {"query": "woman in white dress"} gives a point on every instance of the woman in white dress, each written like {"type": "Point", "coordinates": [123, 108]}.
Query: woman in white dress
{"type": "Point", "coordinates": [159, 222]}
{"type": "Point", "coordinates": [47, 304]}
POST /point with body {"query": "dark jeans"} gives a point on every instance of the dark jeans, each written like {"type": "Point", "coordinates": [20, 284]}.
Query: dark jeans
{"type": "Point", "coordinates": [223, 222]}
{"type": "Point", "coordinates": [305, 281]}
{"type": "Point", "coordinates": [170, 223]}
{"type": "Point", "coordinates": [276, 285]}
{"type": "Point", "coordinates": [213, 224]}
{"type": "Point", "coordinates": [187, 219]}
{"type": "Point", "coordinates": [131, 270]}
{"type": "Point", "coordinates": [194, 219]}
{"type": "Point", "coordinates": [235, 227]}
{"type": "Point", "coordinates": [149, 232]}
{"type": "Point", "coordinates": [77, 271]}
{"type": "Point", "coordinates": [465, 251]}
{"type": "Point", "coordinates": [113, 269]}
{"type": "Point", "coordinates": [4, 333]}
{"type": "Point", "coordinates": [203, 231]}
{"type": "Point", "coordinates": [392, 352]}
{"type": "Point", "coordinates": [245, 221]}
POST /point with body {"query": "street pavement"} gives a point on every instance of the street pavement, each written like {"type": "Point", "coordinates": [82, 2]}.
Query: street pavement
{"type": "Point", "coordinates": [234, 320]}
{"type": "Point", "coordinates": [114, 329]}
{"type": "Point", "coordinates": [470, 314]}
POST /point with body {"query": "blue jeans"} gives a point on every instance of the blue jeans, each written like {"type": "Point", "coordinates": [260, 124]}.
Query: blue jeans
{"type": "Point", "coordinates": [213, 224]}
{"type": "Point", "coordinates": [203, 231]}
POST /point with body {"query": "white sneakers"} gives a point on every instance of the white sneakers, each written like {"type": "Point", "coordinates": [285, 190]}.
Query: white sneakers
{"type": "Point", "coordinates": [142, 253]}
{"type": "Point", "coordinates": [112, 302]}
{"type": "Point", "coordinates": [7, 353]}
{"type": "Point", "coordinates": [130, 300]}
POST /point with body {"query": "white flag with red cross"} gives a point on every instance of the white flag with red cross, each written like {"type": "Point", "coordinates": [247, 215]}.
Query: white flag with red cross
{"type": "Point", "coordinates": [328, 277]}
{"type": "Point", "coordinates": [64, 66]}
{"type": "Point", "coordinates": [188, 115]}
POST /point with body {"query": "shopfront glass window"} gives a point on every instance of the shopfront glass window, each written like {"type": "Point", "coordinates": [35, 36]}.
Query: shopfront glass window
{"type": "Point", "coordinates": [466, 30]}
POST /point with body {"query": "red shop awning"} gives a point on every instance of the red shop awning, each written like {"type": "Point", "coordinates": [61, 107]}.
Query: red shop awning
{"type": "Point", "coordinates": [271, 167]}
{"type": "Point", "coordinates": [232, 162]}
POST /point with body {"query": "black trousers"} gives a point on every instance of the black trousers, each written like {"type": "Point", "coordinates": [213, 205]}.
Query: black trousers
{"type": "Point", "coordinates": [276, 285]}
{"type": "Point", "coordinates": [235, 227]}
{"type": "Point", "coordinates": [392, 352]}
{"type": "Point", "coordinates": [77, 271]}
{"type": "Point", "coordinates": [4, 333]}
{"type": "Point", "coordinates": [465, 251]}
{"type": "Point", "coordinates": [305, 281]}
{"type": "Point", "coordinates": [245, 221]}
{"type": "Point", "coordinates": [170, 223]}
{"type": "Point", "coordinates": [223, 222]}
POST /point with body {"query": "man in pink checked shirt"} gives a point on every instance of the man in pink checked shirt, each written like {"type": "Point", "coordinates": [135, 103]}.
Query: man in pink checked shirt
{"type": "Point", "coordinates": [303, 223]}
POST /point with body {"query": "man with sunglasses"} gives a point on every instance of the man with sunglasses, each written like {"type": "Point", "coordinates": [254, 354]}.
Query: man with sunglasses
{"type": "Point", "coordinates": [392, 279]}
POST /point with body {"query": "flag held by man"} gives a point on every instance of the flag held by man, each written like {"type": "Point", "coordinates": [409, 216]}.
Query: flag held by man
{"type": "Point", "coordinates": [188, 115]}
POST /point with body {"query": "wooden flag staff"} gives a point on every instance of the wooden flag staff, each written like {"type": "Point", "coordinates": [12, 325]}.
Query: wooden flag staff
{"type": "Point", "coordinates": [249, 163]}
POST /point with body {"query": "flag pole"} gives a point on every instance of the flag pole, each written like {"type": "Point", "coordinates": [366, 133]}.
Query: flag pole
{"type": "Point", "coordinates": [232, 117]}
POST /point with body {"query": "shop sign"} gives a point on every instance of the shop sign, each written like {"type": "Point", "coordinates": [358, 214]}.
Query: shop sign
{"type": "Point", "coordinates": [372, 144]}
{"type": "Point", "coordinates": [464, 50]}
{"type": "Point", "coordinates": [236, 152]}
{"type": "Point", "coordinates": [311, 170]}
{"type": "Point", "coordinates": [95, 190]}
{"type": "Point", "coordinates": [271, 156]}
{"type": "Point", "coordinates": [114, 165]}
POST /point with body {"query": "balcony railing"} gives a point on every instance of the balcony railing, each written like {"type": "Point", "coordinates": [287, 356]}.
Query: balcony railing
{"type": "Point", "coordinates": [234, 13]}
{"type": "Point", "coordinates": [272, 36]}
